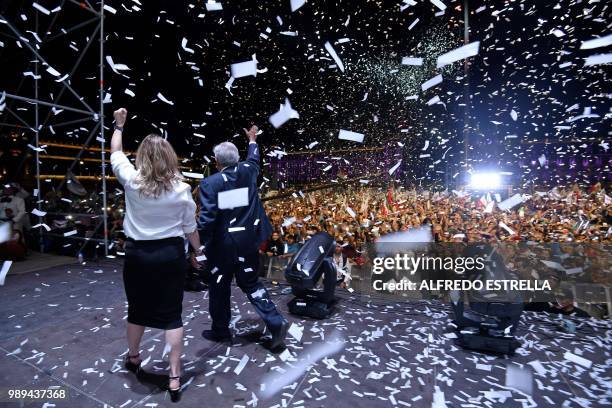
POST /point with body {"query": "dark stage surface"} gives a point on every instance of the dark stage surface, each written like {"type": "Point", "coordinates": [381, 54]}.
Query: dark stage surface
{"type": "Point", "coordinates": [64, 327]}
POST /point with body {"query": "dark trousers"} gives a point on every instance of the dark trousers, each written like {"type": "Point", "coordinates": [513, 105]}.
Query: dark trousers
{"type": "Point", "coordinates": [219, 291]}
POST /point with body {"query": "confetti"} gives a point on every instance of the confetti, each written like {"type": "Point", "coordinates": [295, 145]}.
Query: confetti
{"type": "Point", "coordinates": [596, 42]}
{"type": "Point", "coordinates": [348, 135]}
{"type": "Point", "coordinates": [243, 362]}
{"type": "Point", "coordinates": [333, 54]}
{"type": "Point", "coordinates": [242, 69]}
{"type": "Point", "coordinates": [597, 60]}
{"type": "Point", "coordinates": [41, 8]}
{"type": "Point", "coordinates": [213, 6]}
{"type": "Point", "coordinates": [431, 83]}
{"type": "Point", "coordinates": [285, 113]}
{"type": "Point", "coordinates": [296, 4]}
{"type": "Point", "coordinates": [164, 99]}
{"type": "Point", "coordinates": [6, 265]}
{"type": "Point", "coordinates": [231, 199]}
{"type": "Point", "coordinates": [458, 54]}
{"type": "Point", "coordinates": [412, 61]}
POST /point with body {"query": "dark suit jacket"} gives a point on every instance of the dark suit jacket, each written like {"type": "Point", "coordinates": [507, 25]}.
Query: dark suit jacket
{"type": "Point", "coordinates": [214, 224]}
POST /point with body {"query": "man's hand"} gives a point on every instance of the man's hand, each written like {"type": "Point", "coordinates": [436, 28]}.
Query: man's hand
{"type": "Point", "coordinates": [120, 116]}
{"type": "Point", "coordinates": [252, 133]}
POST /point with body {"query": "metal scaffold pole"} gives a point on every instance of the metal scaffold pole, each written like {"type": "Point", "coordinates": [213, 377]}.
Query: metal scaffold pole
{"type": "Point", "coordinates": [82, 107]}
{"type": "Point", "coordinates": [36, 135]}
{"type": "Point", "coordinates": [466, 71]}
{"type": "Point", "coordinates": [102, 140]}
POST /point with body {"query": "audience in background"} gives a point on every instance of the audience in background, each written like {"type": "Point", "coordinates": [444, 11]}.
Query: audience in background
{"type": "Point", "coordinates": [12, 208]}
{"type": "Point", "coordinates": [343, 266]}
{"type": "Point", "coordinates": [14, 249]}
{"type": "Point", "coordinates": [274, 246]}
{"type": "Point", "coordinates": [291, 246]}
{"type": "Point", "coordinates": [360, 216]}
{"type": "Point", "coordinates": [356, 217]}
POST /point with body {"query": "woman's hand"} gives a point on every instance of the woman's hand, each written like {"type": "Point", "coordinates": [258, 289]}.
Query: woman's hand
{"type": "Point", "coordinates": [120, 116]}
{"type": "Point", "coordinates": [194, 262]}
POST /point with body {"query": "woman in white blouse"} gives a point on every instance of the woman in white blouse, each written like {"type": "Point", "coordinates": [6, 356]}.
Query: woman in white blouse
{"type": "Point", "coordinates": [159, 213]}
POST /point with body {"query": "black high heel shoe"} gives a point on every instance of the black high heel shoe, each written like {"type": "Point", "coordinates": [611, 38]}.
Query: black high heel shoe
{"type": "Point", "coordinates": [135, 368]}
{"type": "Point", "coordinates": [175, 393]}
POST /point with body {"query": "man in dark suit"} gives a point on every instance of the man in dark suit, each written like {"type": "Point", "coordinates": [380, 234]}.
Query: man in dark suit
{"type": "Point", "coordinates": [231, 230]}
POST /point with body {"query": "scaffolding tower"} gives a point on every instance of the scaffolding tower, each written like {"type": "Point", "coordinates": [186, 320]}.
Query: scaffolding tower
{"type": "Point", "coordinates": [90, 114]}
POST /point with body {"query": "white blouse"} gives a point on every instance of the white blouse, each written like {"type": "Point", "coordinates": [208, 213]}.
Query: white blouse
{"type": "Point", "coordinates": [172, 214]}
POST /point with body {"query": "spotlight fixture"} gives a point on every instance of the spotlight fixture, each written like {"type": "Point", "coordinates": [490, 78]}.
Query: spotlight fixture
{"type": "Point", "coordinates": [489, 321]}
{"type": "Point", "coordinates": [308, 265]}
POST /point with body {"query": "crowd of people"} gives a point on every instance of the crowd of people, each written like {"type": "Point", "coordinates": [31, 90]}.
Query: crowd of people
{"type": "Point", "coordinates": [572, 226]}
{"type": "Point", "coordinates": [358, 216]}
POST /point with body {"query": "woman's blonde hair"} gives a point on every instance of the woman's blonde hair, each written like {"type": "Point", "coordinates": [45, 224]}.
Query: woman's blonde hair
{"type": "Point", "coordinates": [158, 166]}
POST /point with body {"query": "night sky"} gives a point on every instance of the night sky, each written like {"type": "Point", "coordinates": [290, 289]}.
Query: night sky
{"type": "Point", "coordinates": [529, 62]}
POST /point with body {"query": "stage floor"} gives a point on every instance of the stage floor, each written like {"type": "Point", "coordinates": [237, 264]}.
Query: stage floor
{"type": "Point", "coordinates": [65, 327]}
{"type": "Point", "coordinates": [36, 261]}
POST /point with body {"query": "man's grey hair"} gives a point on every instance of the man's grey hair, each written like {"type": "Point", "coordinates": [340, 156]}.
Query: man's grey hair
{"type": "Point", "coordinates": [226, 154]}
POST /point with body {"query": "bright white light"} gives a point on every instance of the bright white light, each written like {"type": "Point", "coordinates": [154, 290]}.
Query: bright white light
{"type": "Point", "coordinates": [484, 181]}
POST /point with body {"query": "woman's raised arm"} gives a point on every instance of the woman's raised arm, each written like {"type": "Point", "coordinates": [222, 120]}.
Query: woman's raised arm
{"type": "Point", "coordinates": [120, 116]}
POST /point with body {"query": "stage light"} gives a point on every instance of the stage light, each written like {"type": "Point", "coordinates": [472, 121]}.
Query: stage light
{"type": "Point", "coordinates": [485, 181]}
{"type": "Point", "coordinates": [303, 273]}
{"type": "Point", "coordinates": [490, 318]}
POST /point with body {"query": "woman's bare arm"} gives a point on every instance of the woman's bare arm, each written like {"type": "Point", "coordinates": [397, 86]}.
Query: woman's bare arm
{"type": "Point", "coordinates": [194, 241]}
{"type": "Point", "coordinates": [116, 141]}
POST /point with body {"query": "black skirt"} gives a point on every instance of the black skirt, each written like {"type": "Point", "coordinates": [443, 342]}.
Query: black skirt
{"type": "Point", "coordinates": [154, 278]}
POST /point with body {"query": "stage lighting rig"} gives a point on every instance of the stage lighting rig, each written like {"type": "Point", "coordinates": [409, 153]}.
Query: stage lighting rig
{"type": "Point", "coordinates": [303, 273]}
{"type": "Point", "coordinates": [491, 320]}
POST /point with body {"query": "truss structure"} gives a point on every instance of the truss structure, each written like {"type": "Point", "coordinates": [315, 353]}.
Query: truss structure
{"type": "Point", "coordinates": [91, 113]}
